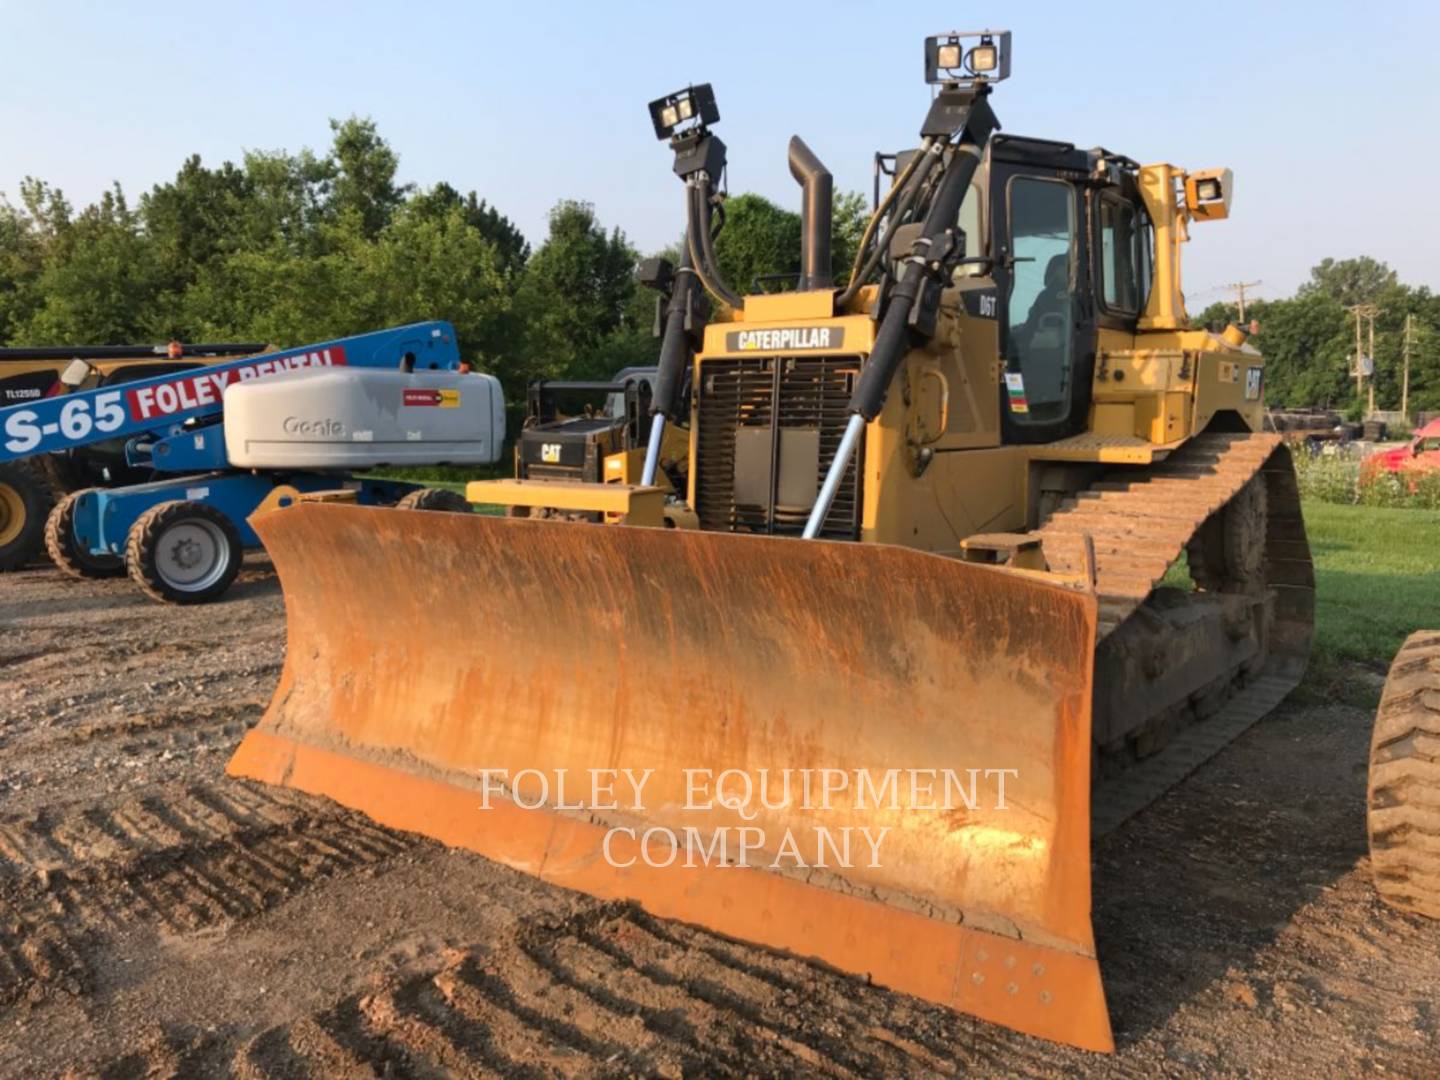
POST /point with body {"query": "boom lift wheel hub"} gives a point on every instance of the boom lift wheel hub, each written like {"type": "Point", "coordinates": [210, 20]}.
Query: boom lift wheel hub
{"type": "Point", "coordinates": [183, 552]}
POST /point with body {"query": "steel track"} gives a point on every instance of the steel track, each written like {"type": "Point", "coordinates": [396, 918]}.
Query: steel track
{"type": "Point", "coordinates": [1139, 521]}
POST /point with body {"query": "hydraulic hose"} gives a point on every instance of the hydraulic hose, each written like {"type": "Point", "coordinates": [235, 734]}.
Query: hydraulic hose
{"type": "Point", "coordinates": [893, 336]}
{"type": "Point", "coordinates": [702, 246]}
{"type": "Point", "coordinates": [866, 257]}
{"type": "Point", "coordinates": [892, 340]}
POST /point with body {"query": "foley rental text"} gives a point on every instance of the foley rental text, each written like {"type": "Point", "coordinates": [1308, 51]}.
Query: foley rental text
{"type": "Point", "coordinates": [747, 797]}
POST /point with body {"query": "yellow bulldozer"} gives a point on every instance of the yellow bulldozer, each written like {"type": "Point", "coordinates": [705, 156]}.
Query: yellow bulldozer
{"type": "Point", "coordinates": [927, 589]}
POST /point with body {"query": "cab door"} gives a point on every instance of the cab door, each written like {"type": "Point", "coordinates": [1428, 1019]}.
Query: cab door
{"type": "Point", "coordinates": [1047, 315]}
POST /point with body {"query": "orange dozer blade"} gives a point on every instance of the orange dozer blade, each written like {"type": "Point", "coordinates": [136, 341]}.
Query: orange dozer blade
{"type": "Point", "coordinates": [434, 658]}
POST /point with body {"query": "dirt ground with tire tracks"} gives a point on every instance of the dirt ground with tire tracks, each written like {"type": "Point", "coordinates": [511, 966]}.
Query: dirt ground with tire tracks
{"type": "Point", "coordinates": [159, 919]}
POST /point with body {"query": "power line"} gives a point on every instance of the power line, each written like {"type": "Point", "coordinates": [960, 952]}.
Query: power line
{"type": "Point", "coordinates": [1238, 288]}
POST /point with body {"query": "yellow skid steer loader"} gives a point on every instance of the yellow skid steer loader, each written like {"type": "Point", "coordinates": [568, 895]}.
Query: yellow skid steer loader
{"type": "Point", "coordinates": [849, 697]}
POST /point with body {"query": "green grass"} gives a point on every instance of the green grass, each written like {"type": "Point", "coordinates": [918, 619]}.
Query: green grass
{"type": "Point", "coordinates": [448, 476]}
{"type": "Point", "coordinates": [1377, 580]}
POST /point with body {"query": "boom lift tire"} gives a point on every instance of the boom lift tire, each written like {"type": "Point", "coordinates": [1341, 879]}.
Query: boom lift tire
{"type": "Point", "coordinates": [25, 502]}
{"type": "Point", "coordinates": [183, 552]}
{"type": "Point", "coordinates": [451, 502]}
{"type": "Point", "coordinates": [66, 553]}
{"type": "Point", "coordinates": [1404, 794]}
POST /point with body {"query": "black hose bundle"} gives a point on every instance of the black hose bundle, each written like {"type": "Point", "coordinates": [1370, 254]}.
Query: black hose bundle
{"type": "Point", "coordinates": [904, 193]}
{"type": "Point", "coordinates": [701, 242]}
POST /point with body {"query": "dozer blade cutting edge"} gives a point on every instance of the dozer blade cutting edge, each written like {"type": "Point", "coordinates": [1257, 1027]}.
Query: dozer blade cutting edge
{"type": "Point", "coordinates": [425, 648]}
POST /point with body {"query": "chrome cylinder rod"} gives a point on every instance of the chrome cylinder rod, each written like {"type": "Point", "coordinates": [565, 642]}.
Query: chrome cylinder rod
{"type": "Point", "coordinates": [652, 450]}
{"type": "Point", "coordinates": [853, 428]}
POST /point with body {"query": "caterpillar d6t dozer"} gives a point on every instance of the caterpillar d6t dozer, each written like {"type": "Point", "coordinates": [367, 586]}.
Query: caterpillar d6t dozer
{"type": "Point", "coordinates": [856, 712]}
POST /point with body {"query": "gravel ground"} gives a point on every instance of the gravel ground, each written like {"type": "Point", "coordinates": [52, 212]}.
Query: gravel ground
{"type": "Point", "coordinates": [159, 919]}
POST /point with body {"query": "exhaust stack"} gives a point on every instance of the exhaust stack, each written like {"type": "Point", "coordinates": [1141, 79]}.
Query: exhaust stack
{"type": "Point", "coordinates": [819, 188]}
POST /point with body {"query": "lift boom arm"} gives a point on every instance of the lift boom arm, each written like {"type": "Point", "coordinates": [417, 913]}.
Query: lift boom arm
{"type": "Point", "coordinates": [160, 406]}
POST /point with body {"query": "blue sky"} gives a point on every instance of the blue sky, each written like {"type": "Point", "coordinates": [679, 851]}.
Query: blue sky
{"type": "Point", "coordinates": [1326, 111]}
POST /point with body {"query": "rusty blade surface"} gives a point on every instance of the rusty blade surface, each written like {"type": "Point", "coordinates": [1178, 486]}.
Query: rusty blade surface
{"type": "Point", "coordinates": [424, 648]}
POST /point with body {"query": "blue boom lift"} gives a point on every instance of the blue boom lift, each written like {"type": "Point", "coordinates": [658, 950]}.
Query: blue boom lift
{"type": "Point", "coordinates": [30, 488]}
{"type": "Point", "coordinates": [227, 439]}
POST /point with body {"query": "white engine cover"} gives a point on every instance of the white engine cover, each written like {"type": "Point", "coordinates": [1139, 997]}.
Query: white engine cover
{"type": "Point", "coordinates": [349, 418]}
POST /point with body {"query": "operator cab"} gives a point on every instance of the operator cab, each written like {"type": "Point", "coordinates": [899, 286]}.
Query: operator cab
{"type": "Point", "coordinates": [1070, 249]}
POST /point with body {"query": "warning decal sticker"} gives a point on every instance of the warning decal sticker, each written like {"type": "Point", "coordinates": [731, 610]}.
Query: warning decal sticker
{"type": "Point", "coordinates": [1015, 388]}
{"type": "Point", "coordinates": [442, 399]}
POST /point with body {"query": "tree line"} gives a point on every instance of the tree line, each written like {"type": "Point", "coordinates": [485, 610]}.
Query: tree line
{"type": "Point", "coordinates": [292, 248]}
{"type": "Point", "coordinates": [1308, 340]}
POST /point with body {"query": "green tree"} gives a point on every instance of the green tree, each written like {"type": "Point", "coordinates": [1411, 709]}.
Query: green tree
{"type": "Point", "coordinates": [28, 233]}
{"type": "Point", "coordinates": [426, 266]}
{"type": "Point", "coordinates": [1306, 355]}
{"type": "Point", "coordinates": [99, 278]}
{"type": "Point", "coordinates": [195, 218]}
{"type": "Point", "coordinates": [510, 244]}
{"type": "Point", "coordinates": [850, 216]}
{"type": "Point", "coordinates": [759, 240]}
{"type": "Point", "coordinates": [762, 240]}
{"type": "Point", "coordinates": [576, 296]}
{"type": "Point", "coordinates": [1350, 281]}
{"type": "Point", "coordinates": [363, 168]}
{"type": "Point", "coordinates": [286, 200]}
{"type": "Point", "coordinates": [1309, 340]}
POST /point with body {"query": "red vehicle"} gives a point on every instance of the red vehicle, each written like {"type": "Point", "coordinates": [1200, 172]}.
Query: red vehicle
{"type": "Point", "coordinates": [1422, 453]}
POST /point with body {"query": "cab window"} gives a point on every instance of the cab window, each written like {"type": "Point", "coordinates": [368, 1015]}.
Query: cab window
{"type": "Point", "coordinates": [1146, 241]}
{"type": "Point", "coordinates": [1123, 258]}
{"type": "Point", "coordinates": [1042, 301]}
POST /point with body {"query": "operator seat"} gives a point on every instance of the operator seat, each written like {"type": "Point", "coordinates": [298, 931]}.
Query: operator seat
{"type": "Point", "coordinates": [1043, 340]}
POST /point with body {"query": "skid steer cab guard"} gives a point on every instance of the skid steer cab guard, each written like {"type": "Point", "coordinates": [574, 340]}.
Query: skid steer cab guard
{"type": "Point", "coordinates": [901, 691]}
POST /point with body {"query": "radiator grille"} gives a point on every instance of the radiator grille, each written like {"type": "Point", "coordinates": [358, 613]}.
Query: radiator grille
{"type": "Point", "coordinates": [773, 395]}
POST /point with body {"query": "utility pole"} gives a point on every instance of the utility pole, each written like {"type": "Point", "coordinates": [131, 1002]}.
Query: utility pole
{"type": "Point", "coordinates": [1405, 380]}
{"type": "Point", "coordinates": [1238, 288]}
{"type": "Point", "coordinates": [1370, 411]}
{"type": "Point", "coordinates": [1362, 312]}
